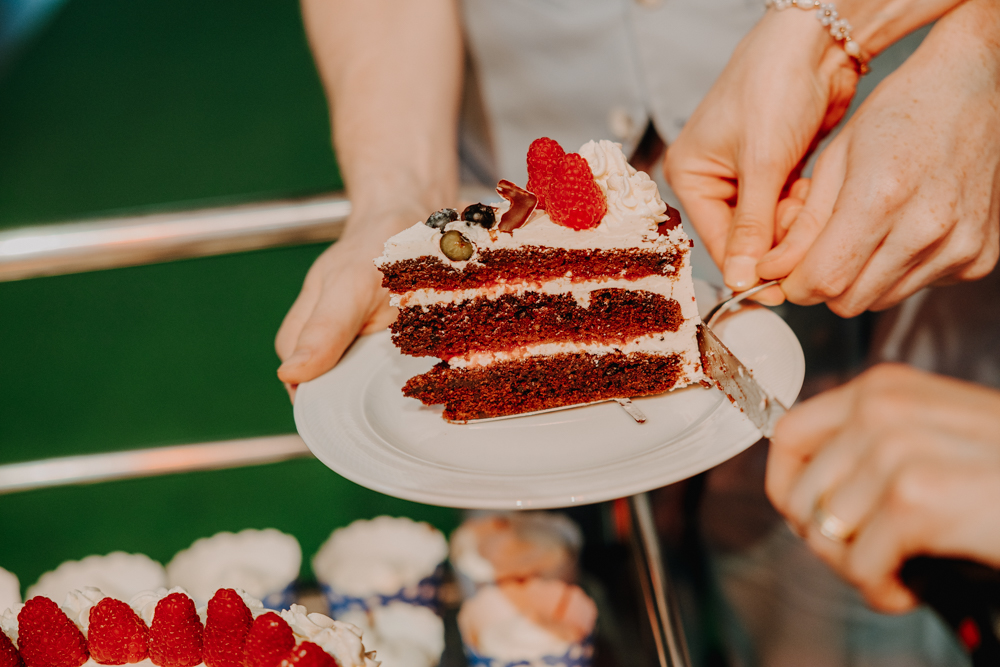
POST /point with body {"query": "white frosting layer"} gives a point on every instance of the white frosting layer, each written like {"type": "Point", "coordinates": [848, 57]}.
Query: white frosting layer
{"type": "Point", "coordinates": [634, 211]}
{"type": "Point", "coordinates": [401, 634]}
{"type": "Point", "coordinates": [581, 291]}
{"type": "Point", "coordinates": [680, 342]}
{"type": "Point", "coordinates": [382, 556]}
{"type": "Point", "coordinates": [120, 574]}
{"type": "Point", "coordinates": [260, 562]}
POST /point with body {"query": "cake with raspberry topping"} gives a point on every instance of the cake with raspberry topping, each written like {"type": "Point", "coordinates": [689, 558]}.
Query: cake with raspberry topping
{"type": "Point", "coordinates": [163, 628]}
{"type": "Point", "coordinates": [575, 289]}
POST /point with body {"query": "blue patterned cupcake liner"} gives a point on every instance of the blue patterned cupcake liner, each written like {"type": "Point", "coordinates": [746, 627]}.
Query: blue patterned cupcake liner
{"type": "Point", "coordinates": [280, 600]}
{"type": "Point", "coordinates": [579, 654]}
{"type": "Point", "coordinates": [424, 593]}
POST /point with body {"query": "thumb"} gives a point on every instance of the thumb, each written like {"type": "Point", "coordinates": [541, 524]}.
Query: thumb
{"type": "Point", "coordinates": [332, 326]}
{"type": "Point", "coordinates": [752, 231]}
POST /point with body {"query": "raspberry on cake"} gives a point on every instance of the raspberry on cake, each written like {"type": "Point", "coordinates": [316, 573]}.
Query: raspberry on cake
{"type": "Point", "coordinates": [92, 629]}
{"type": "Point", "coordinates": [583, 296]}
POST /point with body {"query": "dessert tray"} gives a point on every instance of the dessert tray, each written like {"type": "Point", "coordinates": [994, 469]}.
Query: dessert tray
{"type": "Point", "coordinates": [356, 420]}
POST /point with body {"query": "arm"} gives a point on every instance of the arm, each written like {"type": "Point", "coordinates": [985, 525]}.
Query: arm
{"type": "Point", "coordinates": [909, 461]}
{"type": "Point", "coordinates": [786, 85]}
{"type": "Point", "coordinates": [392, 73]}
{"type": "Point", "coordinates": [908, 193]}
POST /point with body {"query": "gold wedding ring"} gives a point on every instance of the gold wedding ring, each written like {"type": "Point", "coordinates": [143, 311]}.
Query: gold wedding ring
{"type": "Point", "coordinates": [830, 525]}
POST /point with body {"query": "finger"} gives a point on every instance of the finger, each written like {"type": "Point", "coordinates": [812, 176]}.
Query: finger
{"type": "Point", "coordinates": [706, 203]}
{"type": "Point", "coordinates": [800, 434]}
{"type": "Point", "coordinates": [772, 296]}
{"type": "Point", "coordinates": [296, 317]}
{"type": "Point", "coordinates": [752, 232]}
{"type": "Point", "coordinates": [828, 178]}
{"type": "Point", "coordinates": [859, 223]}
{"type": "Point", "coordinates": [960, 251]}
{"type": "Point", "coordinates": [789, 207]}
{"type": "Point", "coordinates": [340, 312]}
{"type": "Point", "coordinates": [824, 472]}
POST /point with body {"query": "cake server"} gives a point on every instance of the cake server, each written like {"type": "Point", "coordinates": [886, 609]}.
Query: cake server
{"type": "Point", "coordinates": [964, 593]}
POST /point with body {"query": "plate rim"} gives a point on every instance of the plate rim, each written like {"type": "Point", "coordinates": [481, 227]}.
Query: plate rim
{"type": "Point", "coordinates": [435, 494]}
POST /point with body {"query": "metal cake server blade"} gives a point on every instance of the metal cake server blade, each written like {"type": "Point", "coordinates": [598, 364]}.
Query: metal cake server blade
{"type": "Point", "coordinates": [731, 376]}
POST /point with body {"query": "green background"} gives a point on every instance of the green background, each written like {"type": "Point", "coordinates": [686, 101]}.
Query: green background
{"type": "Point", "coordinates": [123, 106]}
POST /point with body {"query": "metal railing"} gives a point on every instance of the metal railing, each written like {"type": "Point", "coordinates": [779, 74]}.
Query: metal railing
{"type": "Point", "coordinates": [47, 250]}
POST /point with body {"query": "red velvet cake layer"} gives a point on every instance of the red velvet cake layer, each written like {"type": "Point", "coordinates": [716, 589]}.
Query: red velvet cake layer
{"type": "Point", "coordinates": [614, 316]}
{"type": "Point", "coordinates": [529, 264]}
{"type": "Point", "coordinates": [539, 383]}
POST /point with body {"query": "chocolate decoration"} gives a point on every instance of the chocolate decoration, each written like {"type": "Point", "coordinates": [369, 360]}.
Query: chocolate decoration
{"type": "Point", "coordinates": [673, 219]}
{"type": "Point", "coordinates": [522, 203]}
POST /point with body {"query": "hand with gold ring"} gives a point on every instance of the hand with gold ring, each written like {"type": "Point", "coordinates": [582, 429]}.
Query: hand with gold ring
{"type": "Point", "coordinates": [896, 463]}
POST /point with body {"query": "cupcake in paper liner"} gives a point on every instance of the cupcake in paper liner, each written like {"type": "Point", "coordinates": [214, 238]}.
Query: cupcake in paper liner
{"type": "Point", "coordinates": [401, 634]}
{"type": "Point", "coordinates": [10, 590]}
{"type": "Point", "coordinates": [495, 548]}
{"type": "Point", "coordinates": [534, 623]}
{"type": "Point", "coordinates": [370, 564]}
{"type": "Point", "coordinates": [264, 563]}
{"type": "Point", "coordinates": [118, 574]}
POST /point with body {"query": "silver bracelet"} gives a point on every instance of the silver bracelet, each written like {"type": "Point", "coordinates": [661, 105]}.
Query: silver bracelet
{"type": "Point", "coordinates": [840, 29]}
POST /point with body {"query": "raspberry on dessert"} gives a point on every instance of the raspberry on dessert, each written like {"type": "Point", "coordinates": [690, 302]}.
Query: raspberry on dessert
{"type": "Point", "coordinates": [175, 636]}
{"type": "Point", "coordinates": [269, 641]}
{"type": "Point", "coordinates": [9, 657]}
{"type": "Point", "coordinates": [308, 654]}
{"type": "Point", "coordinates": [543, 155]}
{"type": "Point", "coordinates": [575, 199]}
{"type": "Point", "coordinates": [226, 629]}
{"type": "Point", "coordinates": [116, 635]}
{"type": "Point", "coordinates": [47, 637]}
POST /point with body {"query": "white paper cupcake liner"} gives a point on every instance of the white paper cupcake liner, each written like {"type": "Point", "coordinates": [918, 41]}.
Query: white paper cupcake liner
{"type": "Point", "coordinates": [424, 594]}
{"type": "Point", "coordinates": [371, 563]}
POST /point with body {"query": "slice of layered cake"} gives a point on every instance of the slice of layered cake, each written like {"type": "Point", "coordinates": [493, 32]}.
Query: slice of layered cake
{"type": "Point", "coordinates": [574, 290]}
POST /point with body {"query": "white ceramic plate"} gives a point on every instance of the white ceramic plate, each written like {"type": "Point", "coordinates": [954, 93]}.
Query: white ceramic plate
{"type": "Point", "coordinates": [356, 420]}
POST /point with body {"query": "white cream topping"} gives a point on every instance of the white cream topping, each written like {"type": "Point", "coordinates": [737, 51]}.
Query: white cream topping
{"type": "Point", "coordinates": [401, 634]}
{"type": "Point", "coordinates": [339, 639]}
{"type": "Point", "coordinates": [467, 560]}
{"type": "Point", "coordinates": [501, 628]}
{"type": "Point", "coordinates": [260, 562]}
{"type": "Point", "coordinates": [121, 575]}
{"type": "Point", "coordinates": [634, 211]}
{"type": "Point", "coordinates": [10, 589]}
{"type": "Point", "coordinates": [79, 603]}
{"type": "Point", "coordinates": [8, 622]}
{"type": "Point", "coordinates": [383, 555]}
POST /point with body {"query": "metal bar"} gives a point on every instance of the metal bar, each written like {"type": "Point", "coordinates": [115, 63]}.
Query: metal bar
{"type": "Point", "coordinates": [91, 468]}
{"type": "Point", "coordinates": [47, 250]}
{"type": "Point", "coordinates": [664, 614]}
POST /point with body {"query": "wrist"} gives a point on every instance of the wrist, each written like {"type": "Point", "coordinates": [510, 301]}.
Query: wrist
{"type": "Point", "coordinates": [877, 24]}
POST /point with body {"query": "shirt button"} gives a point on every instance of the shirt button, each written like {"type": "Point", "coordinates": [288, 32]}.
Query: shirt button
{"type": "Point", "coordinates": [620, 123]}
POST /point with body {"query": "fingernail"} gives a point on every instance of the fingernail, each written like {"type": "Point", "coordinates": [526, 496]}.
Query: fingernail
{"type": "Point", "coordinates": [740, 272]}
{"type": "Point", "coordinates": [300, 357]}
